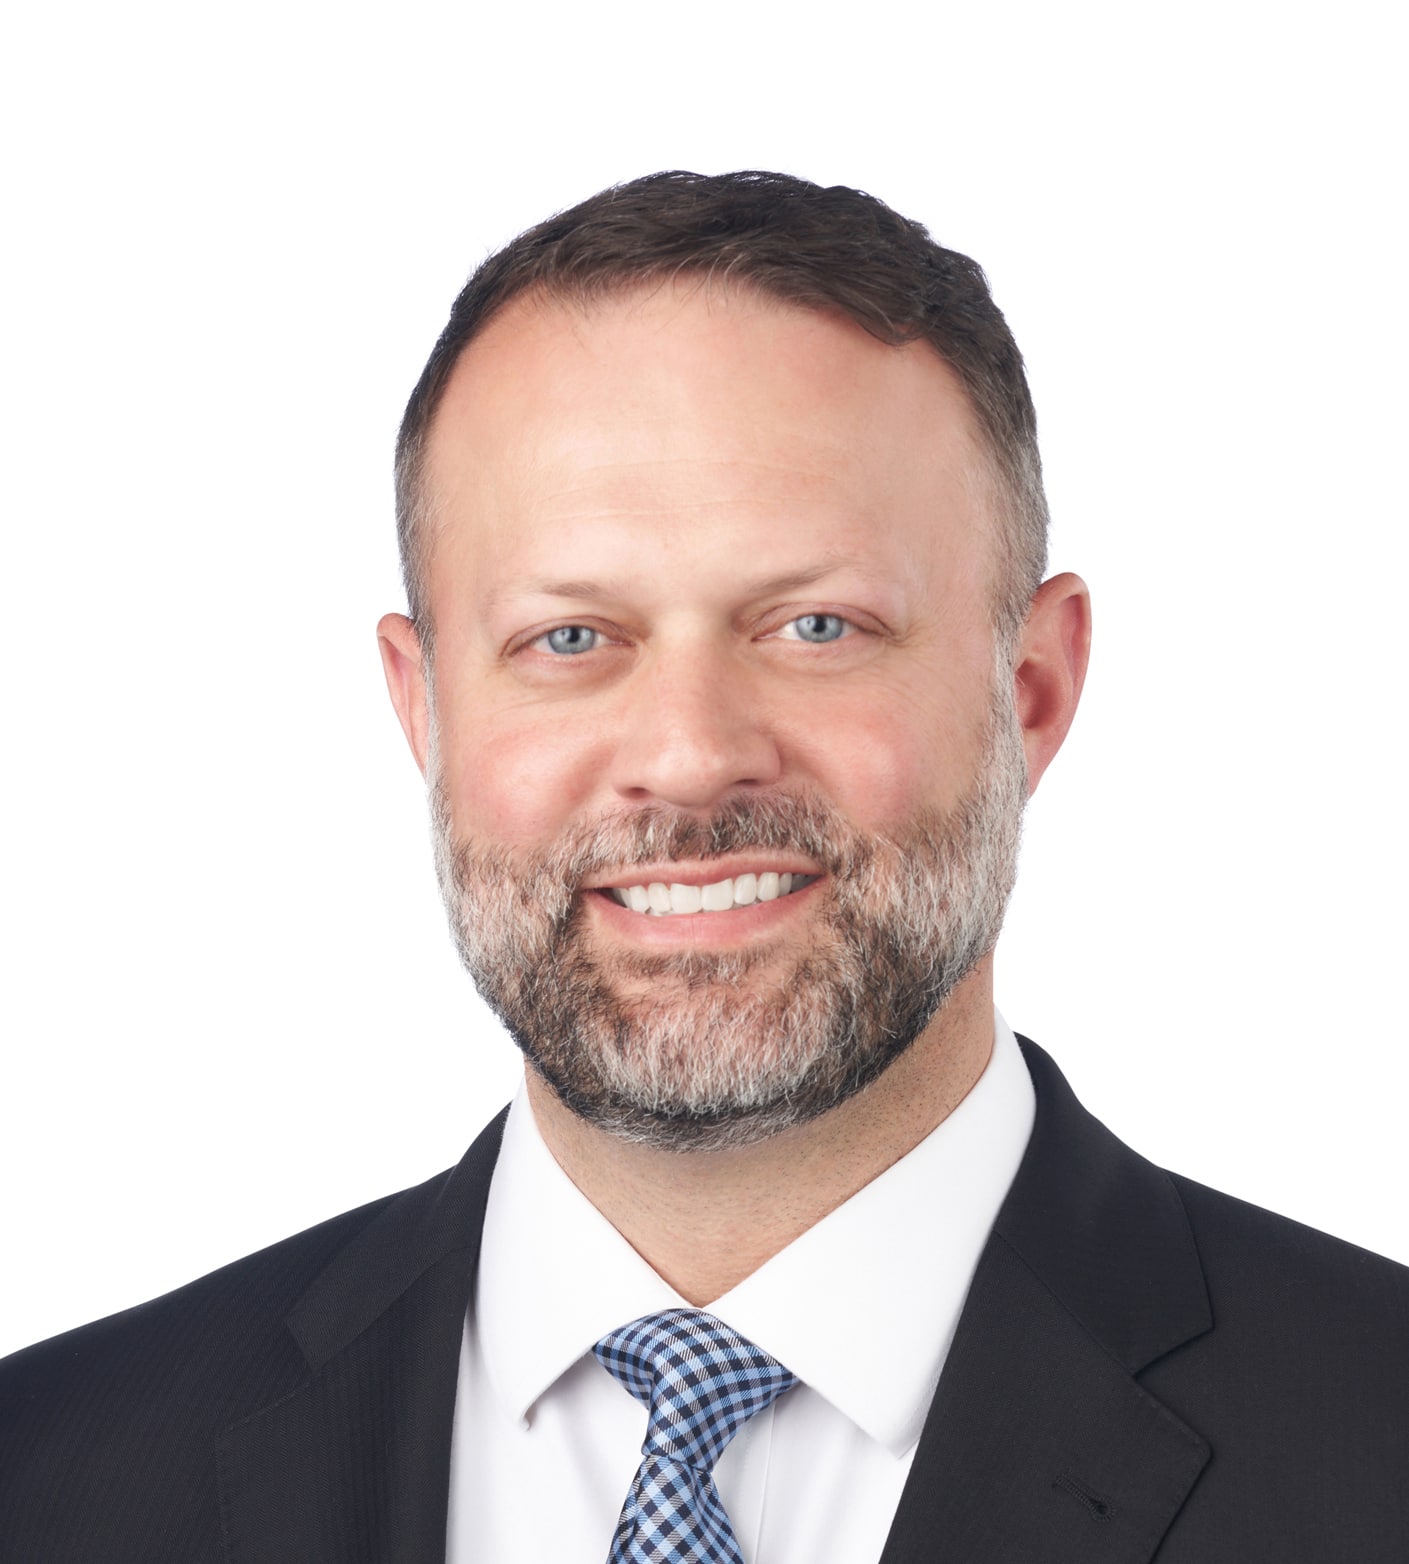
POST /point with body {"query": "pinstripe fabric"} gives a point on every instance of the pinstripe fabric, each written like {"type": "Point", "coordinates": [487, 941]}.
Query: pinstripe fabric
{"type": "Point", "coordinates": [702, 1382]}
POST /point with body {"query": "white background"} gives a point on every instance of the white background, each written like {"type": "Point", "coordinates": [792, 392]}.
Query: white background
{"type": "Point", "coordinates": [229, 1005]}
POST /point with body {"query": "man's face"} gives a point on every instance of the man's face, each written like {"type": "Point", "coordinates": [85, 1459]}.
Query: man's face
{"type": "Point", "coordinates": [711, 582]}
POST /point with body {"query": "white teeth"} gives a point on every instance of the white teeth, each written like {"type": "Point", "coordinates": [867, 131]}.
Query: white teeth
{"type": "Point", "coordinates": [661, 900]}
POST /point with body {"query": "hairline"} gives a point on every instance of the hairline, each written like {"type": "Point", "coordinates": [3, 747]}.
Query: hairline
{"type": "Point", "coordinates": [1014, 504]}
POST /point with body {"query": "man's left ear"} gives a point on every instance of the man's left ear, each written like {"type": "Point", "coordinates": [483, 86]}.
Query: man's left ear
{"type": "Point", "coordinates": [1051, 668]}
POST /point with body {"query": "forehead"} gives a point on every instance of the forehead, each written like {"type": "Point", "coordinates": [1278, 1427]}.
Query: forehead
{"type": "Point", "coordinates": [688, 412]}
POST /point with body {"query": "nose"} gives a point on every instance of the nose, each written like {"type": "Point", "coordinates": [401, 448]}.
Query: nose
{"type": "Point", "coordinates": [693, 730]}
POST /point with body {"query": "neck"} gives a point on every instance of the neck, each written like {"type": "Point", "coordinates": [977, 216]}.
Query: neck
{"type": "Point", "coordinates": [706, 1220]}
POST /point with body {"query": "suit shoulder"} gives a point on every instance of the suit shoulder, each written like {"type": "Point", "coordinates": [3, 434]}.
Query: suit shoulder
{"type": "Point", "coordinates": [109, 1433]}
{"type": "Point", "coordinates": [229, 1302]}
{"type": "Point", "coordinates": [167, 1374]}
{"type": "Point", "coordinates": [1298, 1273]}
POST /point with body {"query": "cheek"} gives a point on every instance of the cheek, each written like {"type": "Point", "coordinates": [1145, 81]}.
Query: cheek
{"type": "Point", "coordinates": [900, 748]}
{"type": "Point", "coordinates": [516, 779]}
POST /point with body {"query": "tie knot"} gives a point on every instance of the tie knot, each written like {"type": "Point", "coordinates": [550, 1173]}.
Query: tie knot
{"type": "Point", "coordinates": [701, 1381]}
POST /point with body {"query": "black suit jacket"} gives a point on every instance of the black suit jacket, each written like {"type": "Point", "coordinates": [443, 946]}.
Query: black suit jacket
{"type": "Point", "coordinates": [1144, 1370]}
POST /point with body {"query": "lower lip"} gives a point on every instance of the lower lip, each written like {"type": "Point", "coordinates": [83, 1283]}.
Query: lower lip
{"type": "Point", "coordinates": [714, 929]}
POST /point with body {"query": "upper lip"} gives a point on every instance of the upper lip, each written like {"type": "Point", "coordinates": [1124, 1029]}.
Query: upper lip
{"type": "Point", "coordinates": [703, 871]}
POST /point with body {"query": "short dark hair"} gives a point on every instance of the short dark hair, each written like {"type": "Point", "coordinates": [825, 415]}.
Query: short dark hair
{"type": "Point", "coordinates": [828, 249]}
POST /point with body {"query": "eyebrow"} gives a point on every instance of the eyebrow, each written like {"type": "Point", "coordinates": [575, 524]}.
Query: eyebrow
{"type": "Point", "coordinates": [580, 589]}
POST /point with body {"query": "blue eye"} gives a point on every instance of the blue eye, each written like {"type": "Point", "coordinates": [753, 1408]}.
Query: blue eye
{"type": "Point", "coordinates": [571, 639]}
{"type": "Point", "coordinates": [819, 628]}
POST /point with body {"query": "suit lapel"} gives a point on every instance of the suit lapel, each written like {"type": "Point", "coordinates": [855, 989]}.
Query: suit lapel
{"type": "Point", "coordinates": [352, 1466]}
{"type": "Point", "coordinates": [1041, 1443]}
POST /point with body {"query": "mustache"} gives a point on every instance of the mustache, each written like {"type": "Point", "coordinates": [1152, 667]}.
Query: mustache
{"type": "Point", "coordinates": [650, 834]}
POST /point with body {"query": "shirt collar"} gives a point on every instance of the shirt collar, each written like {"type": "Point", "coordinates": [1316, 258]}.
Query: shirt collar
{"type": "Point", "coordinates": [862, 1307]}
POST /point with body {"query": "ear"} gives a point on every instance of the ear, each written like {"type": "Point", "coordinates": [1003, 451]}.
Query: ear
{"type": "Point", "coordinates": [1051, 668]}
{"type": "Point", "coordinates": [405, 670]}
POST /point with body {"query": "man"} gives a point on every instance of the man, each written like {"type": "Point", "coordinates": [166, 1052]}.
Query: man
{"type": "Point", "coordinates": [730, 666]}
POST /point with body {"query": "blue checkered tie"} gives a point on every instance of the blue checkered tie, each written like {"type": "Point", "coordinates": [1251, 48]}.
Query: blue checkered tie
{"type": "Point", "coordinates": [702, 1383]}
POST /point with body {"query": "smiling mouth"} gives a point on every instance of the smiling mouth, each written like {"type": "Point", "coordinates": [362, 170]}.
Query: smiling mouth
{"type": "Point", "coordinates": [660, 900]}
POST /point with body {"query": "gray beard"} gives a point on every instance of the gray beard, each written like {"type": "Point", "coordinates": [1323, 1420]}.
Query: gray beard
{"type": "Point", "coordinates": [682, 1050]}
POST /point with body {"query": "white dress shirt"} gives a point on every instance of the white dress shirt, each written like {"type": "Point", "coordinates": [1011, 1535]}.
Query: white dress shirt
{"type": "Point", "coordinates": [862, 1308]}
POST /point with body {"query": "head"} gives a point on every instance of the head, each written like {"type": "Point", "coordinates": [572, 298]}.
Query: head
{"type": "Point", "coordinates": [736, 696]}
